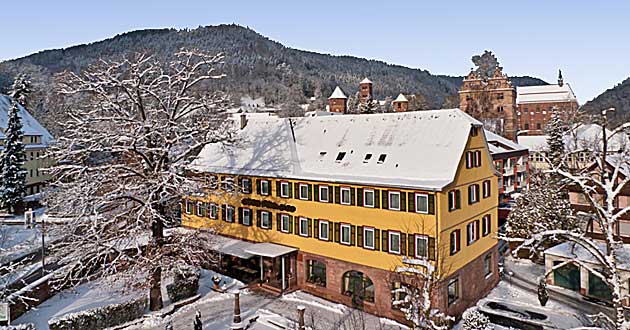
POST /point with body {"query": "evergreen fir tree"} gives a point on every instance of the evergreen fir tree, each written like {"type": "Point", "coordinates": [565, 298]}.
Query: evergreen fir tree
{"type": "Point", "coordinates": [13, 175]}
{"type": "Point", "coordinates": [555, 142]}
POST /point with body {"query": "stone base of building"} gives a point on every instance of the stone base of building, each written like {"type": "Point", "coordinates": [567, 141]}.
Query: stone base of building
{"type": "Point", "coordinates": [473, 285]}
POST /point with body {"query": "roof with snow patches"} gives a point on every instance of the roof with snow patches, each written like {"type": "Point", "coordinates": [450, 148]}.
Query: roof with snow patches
{"type": "Point", "coordinates": [411, 149]}
{"type": "Point", "coordinates": [498, 144]}
{"type": "Point", "coordinates": [338, 94]}
{"type": "Point", "coordinates": [545, 93]}
{"type": "Point", "coordinates": [30, 126]}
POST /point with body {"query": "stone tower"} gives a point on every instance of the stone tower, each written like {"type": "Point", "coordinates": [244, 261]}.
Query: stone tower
{"type": "Point", "coordinates": [337, 102]}
{"type": "Point", "coordinates": [492, 101]}
{"type": "Point", "coordinates": [365, 90]}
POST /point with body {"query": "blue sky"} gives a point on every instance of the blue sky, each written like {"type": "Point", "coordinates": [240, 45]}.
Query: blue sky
{"type": "Point", "coordinates": [588, 40]}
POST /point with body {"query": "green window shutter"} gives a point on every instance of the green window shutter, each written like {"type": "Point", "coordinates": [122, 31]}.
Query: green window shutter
{"type": "Point", "coordinates": [290, 224]}
{"type": "Point", "coordinates": [330, 194]}
{"type": "Point", "coordinates": [278, 188]}
{"type": "Point", "coordinates": [290, 190]}
{"type": "Point", "coordinates": [337, 195]}
{"type": "Point", "coordinates": [377, 239]}
{"type": "Point", "coordinates": [453, 244]}
{"type": "Point", "coordinates": [239, 182]}
{"type": "Point", "coordinates": [403, 201]}
{"type": "Point", "coordinates": [431, 204]}
{"type": "Point", "coordinates": [403, 244]}
{"type": "Point", "coordinates": [258, 186]}
{"type": "Point", "coordinates": [258, 218]}
{"type": "Point", "coordinates": [477, 229]}
{"type": "Point", "coordinates": [296, 188]}
{"type": "Point", "coordinates": [336, 232]}
{"type": "Point", "coordinates": [431, 249]}
{"type": "Point", "coordinates": [384, 242]}
{"type": "Point", "coordinates": [470, 195]}
{"type": "Point", "coordinates": [310, 227]}
{"type": "Point", "coordinates": [359, 196]}
{"type": "Point", "coordinates": [315, 228]}
{"type": "Point", "coordinates": [353, 233]}
{"type": "Point", "coordinates": [239, 217]}
{"type": "Point", "coordinates": [411, 246]}
{"type": "Point", "coordinates": [296, 226]}
{"type": "Point", "coordinates": [411, 202]}
{"type": "Point", "coordinates": [353, 196]}
{"type": "Point", "coordinates": [360, 236]}
{"type": "Point", "coordinates": [377, 199]}
{"type": "Point", "coordinates": [385, 199]}
{"type": "Point", "coordinates": [316, 193]}
{"type": "Point", "coordinates": [458, 199]}
{"type": "Point", "coordinates": [310, 192]}
{"type": "Point", "coordinates": [223, 213]}
{"type": "Point", "coordinates": [331, 231]}
{"type": "Point", "coordinates": [278, 220]}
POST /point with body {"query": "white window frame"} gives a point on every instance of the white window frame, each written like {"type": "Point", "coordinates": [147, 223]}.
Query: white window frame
{"type": "Point", "coordinates": [305, 220]}
{"type": "Point", "coordinates": [475, 235]}
{"type": "Point", "coordinates": [199, 212]}
{"type": "Point", "coordinates": [227, 213]}
{"type": "Point", "coordinates": [326, 194]}
{"type": "Point", "coordinates": [389, 241]}
{"type": "Point", "coordinates": [213, 211]}
{"type": "Point", "coordinates": [486, 219]}
{"type": "Point", "coordinates": [488, 257]}
{"type": "Point", "coordinates": [262, 219]}
{"type": "Point", "coordinates": [450, 282]}
{"type": "Point", "coordinates": [249, 215]}
{"type": "Point", "coordinates": [426, 196]}
{"type": "Point", "coordinates": [472, 189]}
{"type": "Point", "coordinates": [300, 186]}
{"type": "Point", "coordinates": [365, 192]}
{"type": "Point", "coordinates": [426, 242]}
{"type": "Point", "coordinates": [485, 187]}
{"type": "Point", "coordinates": [341, 228]}
{"type": "Point", "coordinates": [189, 207]}
{"type": "Point", "coordinates": [282, 185]}
{"type": "Point", "coordinates": [457, 246]}
{"type": "Point", "coordinates": [243, 185]}
{"type": "Point", "coordinates": [389, 198]}
{"type": "Point", "coordinates": [342, 190]}
{"type": "Point", "coordinates": [264, 183]}
{"type": "Point", "coordinates": [469, 159]}
{"type": "Point", "coordinates": [282, 226]}
{"type": "Point", "coordinates": [365, 230]}
{"type": "Point", "coordinates": [452, 196]}
{"type": "Point", "coordinates": [327, 231]}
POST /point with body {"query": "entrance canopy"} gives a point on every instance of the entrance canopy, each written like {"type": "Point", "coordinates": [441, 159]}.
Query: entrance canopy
{"type": "Point", "coordinates": [233, 247]}
{"type": "Point", "coordinates": [270, 250]}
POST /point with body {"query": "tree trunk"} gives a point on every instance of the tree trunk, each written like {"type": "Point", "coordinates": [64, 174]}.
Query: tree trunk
{"type": "Point", "coordinates": [155, 293]}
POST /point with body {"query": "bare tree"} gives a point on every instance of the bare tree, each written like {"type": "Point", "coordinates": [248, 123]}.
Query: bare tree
{"type": "Point", "coordinates": [119, 172]}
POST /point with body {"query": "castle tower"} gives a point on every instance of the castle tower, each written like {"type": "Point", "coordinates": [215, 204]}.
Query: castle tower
{"type": "Point", "coordinates": [491, 100]}
{"type": "Point", "coordinates": [400, 104]}
{"type": "Point", "coordinates": [365, 90]}
{"type": "Point", "coordinates": [338, 101]}
{"type": "Point", "coordinates": [560, 79]}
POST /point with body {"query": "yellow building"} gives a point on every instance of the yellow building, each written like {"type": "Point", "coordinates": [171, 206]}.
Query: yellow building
{"type": "Point", "coordinates": [332, 205]}
{"type": "Point", "coordinates": [36, 140]}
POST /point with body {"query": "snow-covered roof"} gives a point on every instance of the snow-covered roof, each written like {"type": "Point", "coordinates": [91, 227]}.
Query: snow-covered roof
{"type": "Point", "coordinates": [365, 81]}
{"type": "Point", "coordinates": [389, 149]}
{"type": "Point", "coordinates": [571, 250]}
{"type": "Point", "coordinates": [316, 113]}
{"type": "Point", "coordinates": [544, 93]}
{"type": "Point", "coordinates": [30, 126]}
{"type": "Point", "coordinates": [579, 137]}
{"type": "Point", "coordinates": [401, 98]}
{"type": "Point", "coordinates": [338, 94]}
{"type": "Point", "coordinates": [498, 144]}
{"type": "Point", "coordinates": [270, 250]}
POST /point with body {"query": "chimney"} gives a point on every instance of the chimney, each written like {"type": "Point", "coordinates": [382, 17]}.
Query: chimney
{"type": "Point", "coordinates": [560, 80]}
{"type": "Point", "coordinates": [243, 120]}
{"type": "Point", "coordinates": [301, 325]}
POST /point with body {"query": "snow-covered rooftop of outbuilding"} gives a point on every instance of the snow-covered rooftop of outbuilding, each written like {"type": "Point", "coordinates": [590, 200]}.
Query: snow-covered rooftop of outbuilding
{"type": "Point", "coordinates": [579, 137]}
{"type": "Point", "coordinates": [498, 144]}
{"type": "Point", "coordinates": [421, 149]}
{"type": "Point", "coordinates": [30, 126]}
{"type": "Point", "coordinates": [401, 98]}
{"type": "Point", "coordinates": [338, 94]}
{"type": "Point", "coordinates": [544, 93]}
{"type": "Point", "coordinates": [571, 250]}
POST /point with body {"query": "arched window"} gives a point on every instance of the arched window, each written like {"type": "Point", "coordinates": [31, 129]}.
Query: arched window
{"type": "Point", "coordinates": [316, 272]}
{"type": "Point", "coordinates": [358, 286]}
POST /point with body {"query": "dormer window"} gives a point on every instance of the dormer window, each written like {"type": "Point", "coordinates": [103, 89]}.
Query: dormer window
{"type": "Point", "coordinates": [381, 158]}
{"type": "Point", "coordinates": [367, 158]}
{"type": "Point", "coordinates": [340, 156]}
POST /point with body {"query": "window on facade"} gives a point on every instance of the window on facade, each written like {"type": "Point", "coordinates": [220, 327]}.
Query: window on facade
{"type": "Point", "coordinates": [473, 193]}
{"type": "Point", "coordinates": [500, 109]}
{"type": "Point", "coordinates": [284, 189]}
{"type": "Point", "coordinates": [422, 203]}
{"type": "Point", "coordinates": [200, 209]}
{"type": "Point", "coordinates": [264, 187]}
{"type": "Point", "coordinates": [265, 219]}
{"type": "Point", "coordinates": [228, 184]}
{"type": "Point", "coordinates": [453, 290]}
{"type": "Point", "coordinates": [398, 295]}
{"type": "Point", "coordinates": [487, 264]}
{"type": "Point", "coordinates": [284, 223]}
{"type": "Point", "coordinates": [303, 191]}
{"type": "Point", "coordinates": [477, 162]}
{"type": "Point", "coordinates": [304, 227]}
{"type": "Point", "coordinates": [340, 156]}
{"type": "Point", "coordinates": [453, 200]}
{"type": "Point", "coordinates": [486, 225]}
{"type": "Point", "coordinates": [323, 193]}
{"type": "Point", "coordinates": [394, 200]}
{"type": "Point", "coordinates": [368, 238]}
{"type": "Point", "coordinates": [246, 186]}
{"type": "Point", "coordinates": [394, 242]}
{"type": "Point", "coordinates": [345, 234]}
{"type": "Point", "coordinates": [455, 243]}
{"type": "Point", "coordinates": [471, 230]}
{"type": "Point", "coordinates": [526, 126]}
{"type": "Point", "coordinates": [538, 126]}
{"type": "Point", "coordinates": [324, 230]}
{"type": "Point", "coordinates": [422, 246]}
{"type": "Point", "coordinates": [500, 96]}
{"type": "Point", "coordinates": [486, 188]}
{"type": "Point", "coordinates": [368, 198]}
{"type": "Point", "coordinates": [247, 217]}
{"type": "Point", "coordinates": [469, 159]}
{"type": "Point", "coordinates": [189, 207]}
{"type": "Point", "coordinates": [358, 286]}
{"type": "Point", "coordinates": [214, 210]}
{"type": "Point", "coordinates": [229, 213]}
{"type": "Point", "coordinates": [316, 272]}
{"type": "Point", "coordinates": [474, 131]}
{"type": "Point", "coordinates": [345, 196]}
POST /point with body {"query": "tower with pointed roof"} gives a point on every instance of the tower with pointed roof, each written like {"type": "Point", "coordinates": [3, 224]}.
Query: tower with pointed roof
{"type": "Point", "coordinates": [365, 90]}
{"type": "Point", "coordinates": [338, 101]}
{"type": "Point", "coordinates": [400, 104]}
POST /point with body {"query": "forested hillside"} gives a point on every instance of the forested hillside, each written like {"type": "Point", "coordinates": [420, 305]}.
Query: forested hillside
{"type": "Point", "coordinates": [617, 97]}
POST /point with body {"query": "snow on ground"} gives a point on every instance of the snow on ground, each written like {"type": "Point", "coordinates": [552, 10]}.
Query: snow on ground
{"type": "Point", "coordinates": [307, 299]}
{"type": "Point", "coordinates": [83, 297]}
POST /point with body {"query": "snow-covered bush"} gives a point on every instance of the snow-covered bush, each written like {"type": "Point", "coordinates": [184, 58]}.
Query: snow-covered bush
{"type": "Point", "coordinates": [28, 326]}
{"type": "Point", "coordinates": [185, 283]}
{"type": "Point", "coordinates": [473, 319]}
{"type": "Point", "coordinates": [102, 317]}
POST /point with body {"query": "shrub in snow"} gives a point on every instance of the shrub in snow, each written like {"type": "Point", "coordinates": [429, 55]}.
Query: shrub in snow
{"type": "Point", "coordinates": [102, 317]}
{"type": "Point", "coordinates": [185, 283]}
{"type": "Point", "coordinates": [475, 320]}
{"type": "Point", "coordinates": [28, 326]}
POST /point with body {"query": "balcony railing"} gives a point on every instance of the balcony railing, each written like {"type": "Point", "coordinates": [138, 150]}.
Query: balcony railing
{"type": "Point", "coordinates": [521, 168]}
{"type": "Point", "coordinates": [507, 171]}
